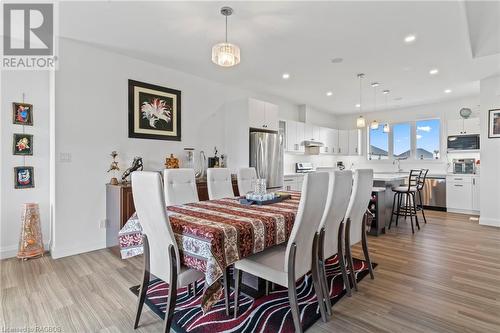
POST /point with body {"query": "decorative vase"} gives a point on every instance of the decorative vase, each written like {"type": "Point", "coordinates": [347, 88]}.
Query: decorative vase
{"type": "Point", "coordinates": [30, 242]}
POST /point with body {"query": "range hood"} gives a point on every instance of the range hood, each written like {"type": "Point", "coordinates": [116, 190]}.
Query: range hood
{"type": "Point", "coordinates": [312, 143]}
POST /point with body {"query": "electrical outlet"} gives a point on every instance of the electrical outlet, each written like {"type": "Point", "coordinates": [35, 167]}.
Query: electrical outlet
{"type": "Point", "coordinates": [103, 224]}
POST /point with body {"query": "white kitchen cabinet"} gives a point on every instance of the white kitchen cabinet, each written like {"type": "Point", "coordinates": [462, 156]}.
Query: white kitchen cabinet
{"type": "Point", "coordinates": [343, 146]}
{"type": "Point", "coordinates": [476, 194]}
{"type": "Point", "coordinates": [311, 132]}
{"type": "Point", "coordinates": [293, 182]}
{"type": "Point", "coordinates": [329, 137]}
{"type": "Point", "coordinates": [354, 141]}
{"type": "Point", "coordinates": [463, 126]}
{"type": "Point", "coordinates": [462, 194]}
{"type": "Point", "coordinates": [262, 115]}
{"type": "Point", "coordinates": [295, 136]}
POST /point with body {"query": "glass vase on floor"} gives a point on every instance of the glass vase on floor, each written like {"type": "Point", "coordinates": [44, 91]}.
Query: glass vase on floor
{"type": "Point", "coordinates": [30, 242]}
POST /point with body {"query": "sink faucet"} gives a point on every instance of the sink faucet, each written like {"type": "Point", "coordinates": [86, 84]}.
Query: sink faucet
{"type": "Point", "coordinates": [398, 162]}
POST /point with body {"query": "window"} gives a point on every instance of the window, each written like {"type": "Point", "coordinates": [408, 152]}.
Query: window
{"type": "Point", "coordinates": [401, 142]}
{"type": "Point", "coordinates": [379, 144]}
{"type": "Point", "coordinates": [428, 136]}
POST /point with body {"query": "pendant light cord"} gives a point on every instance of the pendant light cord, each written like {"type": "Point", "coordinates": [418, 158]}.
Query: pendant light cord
{"type": "Point", "coordinates": [226, 29]}
{"type": "Point", "coordinates": [360, 94]}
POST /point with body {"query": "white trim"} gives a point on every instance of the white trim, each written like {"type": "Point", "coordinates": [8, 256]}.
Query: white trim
{"type": "Point", "coordinates": [11, 251]}
{"type": "Point", "coordinates": [489, 221]}
{"type": "Point", "coordinates": [462, 211]}
{"type": "Point", "coordinates": [70, 251]}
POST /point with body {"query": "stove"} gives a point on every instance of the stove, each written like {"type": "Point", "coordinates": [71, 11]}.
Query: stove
{"type": "Point", "coordinates": [304, 167]}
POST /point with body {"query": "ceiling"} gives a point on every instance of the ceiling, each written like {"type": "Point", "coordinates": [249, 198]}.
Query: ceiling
{"type": "Point", "coordinates": [301, 38]}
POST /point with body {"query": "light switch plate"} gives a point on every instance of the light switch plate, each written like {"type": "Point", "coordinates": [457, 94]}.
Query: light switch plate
{"type": "Point", "coordinates": [65, 157]}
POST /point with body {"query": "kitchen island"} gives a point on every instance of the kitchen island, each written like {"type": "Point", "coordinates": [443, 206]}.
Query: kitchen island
{"type": "Point", "coordinates": [388, 181]}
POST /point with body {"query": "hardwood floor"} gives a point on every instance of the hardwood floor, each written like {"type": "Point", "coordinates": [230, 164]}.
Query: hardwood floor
{"type": "Point", "coordinates": [445, 278]}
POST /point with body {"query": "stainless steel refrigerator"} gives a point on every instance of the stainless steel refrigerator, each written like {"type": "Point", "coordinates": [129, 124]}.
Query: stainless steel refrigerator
{"type": "Point", "coordinates": [266, 155]}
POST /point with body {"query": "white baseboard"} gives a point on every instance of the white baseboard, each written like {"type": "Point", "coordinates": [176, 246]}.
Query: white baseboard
{"type": "Point", "coordinates": [462, 211]}
{"type": "Point", "coordinates": [11, 251]}
{"type": "Point", "coordinates": [489, 221]}
{"type": "Point", "coordinates": [58, 252]}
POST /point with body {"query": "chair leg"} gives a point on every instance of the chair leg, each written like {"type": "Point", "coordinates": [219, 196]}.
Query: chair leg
{"type": "Point", "coordinates": [407, 208]}
{"type": "Point", "coordinates": [348, 253]}
{"type": "Point", "coordinates": [292, 290]}
{"type": "Point", "coordinates": [393, 207]}
{"type": "Point", "coordinates": [322, 273]}
{"type": "Point", "coordinates": [325, 290]}
{"type": "Point", "coordinates": [415, 209]}
{"type": "Point", "coordinates": [226, 289]}
{"type": "Point", "coordinates": [316, 278]}
{"type": "Point", "coordinates": [399, 208]}
{"type": "Point", "coordinates": [364, 243]}
{"type": "Point", "coordinates": [172, 290]}
{"type": "Point", "coordinates": [237, 282]}
{"type": "Point", "coordinates": [422, 206]}
{"type": "Point", "coordinates": [341, 257]}
{"type": "Point", "coordinates": [268, 287]}
{"type": "Point", "coordinates": [189, 290]}
{"type": "Point", "coordinates": [145, 282]}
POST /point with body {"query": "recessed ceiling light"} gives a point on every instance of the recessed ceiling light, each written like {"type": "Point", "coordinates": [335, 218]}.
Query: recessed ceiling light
{"type": "Point", "coordinates": [434, 71]}
{"type": "Point", "coordinates": [410, 39]}
{"type": "Point", "coordinates": [375, 84]}
{"type": "Point", "coordinates": [337, 60]}
{"type": "Point", "coordinates": [285, 76]}
{"type": "Point", "coordinates": [447, 91]}
{"type": "Point", "coordinates": [329, 93]}
{"type": "Point", "coordinates": [358, 105]}
{"type": "Point", "coordinates": [385, 92]}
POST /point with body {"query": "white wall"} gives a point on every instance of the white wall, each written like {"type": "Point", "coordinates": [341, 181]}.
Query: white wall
{"type": "Point", "coordinates": [92, 120]}
{"type": "Point", "coordinates": [444, 110]}
{"type": "Point", "coordinates": [35, 86]}
{"type": "Point", "coordinates": [490, 155]}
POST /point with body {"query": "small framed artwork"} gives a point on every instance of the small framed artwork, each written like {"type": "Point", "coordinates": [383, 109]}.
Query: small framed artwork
{"type": "Point", "coordinates": [22, 114]}
{"type": "Point", "coordinates": [22, 144]}
{"type": "Point", "coordinates": [154, 112]}
{"type": "Point", "coordinates": [24, 177]}
{"type": "Point", "coordinates": [494, 124]}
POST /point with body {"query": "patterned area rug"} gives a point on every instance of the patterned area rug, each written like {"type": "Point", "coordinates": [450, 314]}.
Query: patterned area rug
{"type": "Point", "coordinates": [266, 314]}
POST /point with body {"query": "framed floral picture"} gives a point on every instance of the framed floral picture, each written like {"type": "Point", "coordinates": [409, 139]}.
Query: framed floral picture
{"type": "Point", "coordinates": [494, 124]}
{"type": "Point", "coordinates": [22, 144]}
{"type": "Point", "coordinates": [24, 177]}
{"type": "Point", "coordinates": [22, 114]}
{"type": "Point", "coordinates": [154, 112]}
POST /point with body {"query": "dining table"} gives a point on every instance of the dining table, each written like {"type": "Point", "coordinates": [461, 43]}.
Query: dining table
{"type": "Point", "coordinates": [213, 234]}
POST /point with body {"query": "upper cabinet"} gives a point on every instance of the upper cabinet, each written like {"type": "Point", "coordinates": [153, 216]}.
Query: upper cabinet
{"type": "Point", "coordinates": [463, 126]}
{"type": "Point", "coordinates": [343, 148]}
{"type": "Point", "coordinates": [330, 139]}
{"type": "Point", "coordinates": [294, 136]}
{"type": "Point", "coordinates": [263, 115]}
{"type": "Point", "coordinates": [354, 142]}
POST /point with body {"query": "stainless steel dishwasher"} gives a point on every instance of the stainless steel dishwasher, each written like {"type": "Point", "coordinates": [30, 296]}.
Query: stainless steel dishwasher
{"type": "Point", "coordinates": [434, 193]}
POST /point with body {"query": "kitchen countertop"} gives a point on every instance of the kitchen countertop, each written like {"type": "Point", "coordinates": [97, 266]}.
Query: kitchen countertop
{"type": "Point", "coordinates": [392, 176]}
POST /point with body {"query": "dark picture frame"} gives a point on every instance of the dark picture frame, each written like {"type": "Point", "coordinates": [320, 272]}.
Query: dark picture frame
{"type": "Point", "coordinates": [154, 112]}
{"type": "Point", "coordinates": [22, 144]}
{"type": "Point", "coordinates": [22, 114]}
{"type": "Point", "coordinates": [20, 174]}
{"type": "Point", "coordinates": [494, 124]}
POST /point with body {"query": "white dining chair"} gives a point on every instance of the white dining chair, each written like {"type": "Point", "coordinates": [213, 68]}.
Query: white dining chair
{"type": "Point", "coordinates": [355, 229]}
{"type": "Point", "coordinates": [246, 180]}
{"type": "Point", "coordinates": [331, 229]}
{"type": "Point", "coordinates": [180, 186]}
{"type": "Point", "coordinates": [219, 183]}
{"type": "Point", "coordinates": [284, 265]}
{"type": "Point", "coordinates": [161, 253]}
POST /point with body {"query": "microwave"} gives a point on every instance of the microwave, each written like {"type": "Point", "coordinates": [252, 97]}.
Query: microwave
{"type": "Point", "coordinates": [463, 142]}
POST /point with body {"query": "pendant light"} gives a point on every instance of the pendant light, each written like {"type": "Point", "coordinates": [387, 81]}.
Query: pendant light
{"type": "Point", "coordinates": [226, 54]}
{"type": "Point", "coordinates": [360, 122]}
{"type": "Point", "coordinates": [387, 129]}
{"type": "Point", "coordinates": [374, 124]}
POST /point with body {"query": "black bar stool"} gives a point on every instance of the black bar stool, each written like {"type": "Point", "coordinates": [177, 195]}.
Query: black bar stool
{"type": "Point", "coordinates": [409, 208]}
{"type": "Point", "coordinates": [420, 188]}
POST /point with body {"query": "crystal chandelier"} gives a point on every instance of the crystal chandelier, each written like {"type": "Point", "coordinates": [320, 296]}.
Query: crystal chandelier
{"type": "Point", "coordinates": [226, 54]}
